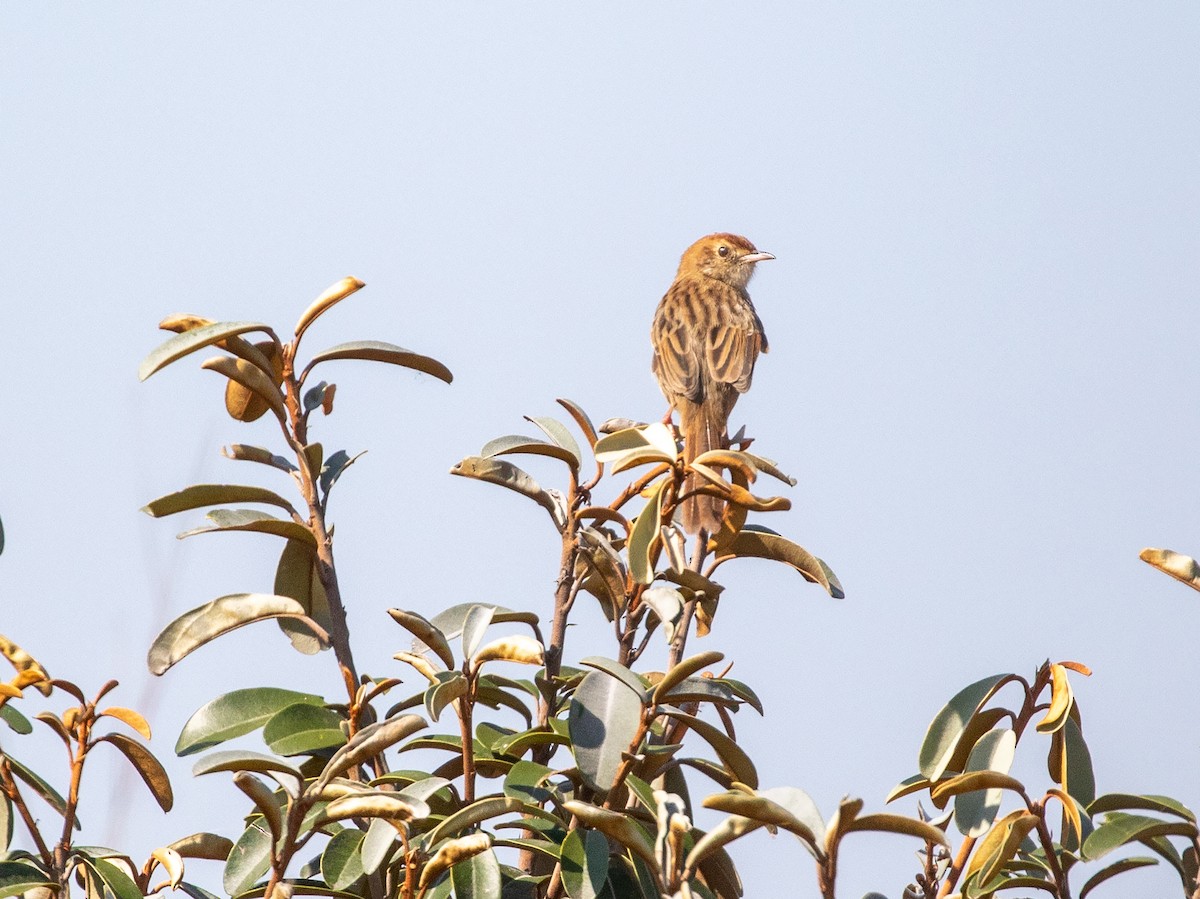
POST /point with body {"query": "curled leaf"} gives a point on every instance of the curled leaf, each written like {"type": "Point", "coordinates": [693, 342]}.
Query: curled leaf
{"type": "Point", "coordinates": [1061, 700]}
{"type": "Point", "coordinates": [1182, 568]}
{"type": "Point", "coordinates": [451, 853]}
{"type": "Point", "coordinates": [332, 295]}
{"type": "Point", "coordinates": [374, 805]}
{"type": "Point", "coordinates": [252, 379]}
{"type": "Point", "coordinates": [431, 636]}
{"type": "Point", "coordinates": [520, 649]}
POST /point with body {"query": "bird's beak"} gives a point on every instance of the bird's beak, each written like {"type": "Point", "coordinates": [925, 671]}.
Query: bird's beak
{"type": "Point", "coordinates": [756, 257]}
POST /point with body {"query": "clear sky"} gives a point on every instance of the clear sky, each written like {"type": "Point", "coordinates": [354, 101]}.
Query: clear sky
{"type": "Point", "coordinates": [983, 322]}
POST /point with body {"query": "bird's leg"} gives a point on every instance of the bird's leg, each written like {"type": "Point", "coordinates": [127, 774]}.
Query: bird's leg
{"type": "Point", "coordinates": [666, 419]}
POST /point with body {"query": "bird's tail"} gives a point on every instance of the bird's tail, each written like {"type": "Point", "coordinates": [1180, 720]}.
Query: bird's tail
{"type": "Point", "coordinates": [701, 433]}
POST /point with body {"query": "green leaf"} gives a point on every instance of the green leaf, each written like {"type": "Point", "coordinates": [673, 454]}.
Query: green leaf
{"type": "Point", "coordinates": [314, 396]}
{"type": "Point", "coordinates": [149, 767]}
{"type": "Point", "coordinates": [762, 543]}
{"type": "Point", "coordinates": [621, 673]}
{"type": "Point", "coordinates": [378, 351]}
{"type": "Point", "coordinates": [494, 697]}
{"type": "Point", "coordinates": [482, 810]}
{"type": "Point", "coordinates": [515, 443]}
{"type": "Point", "coordinates": [193, 629]}
{"type": "Point", "coordinates": [451, 621]}
{"type": "Point", "coordinates": [703, 689]}
{"type": "Point", "coordinates": [975, 812]}
{"type": "Point", "coordinates": [520, 743]}
{"type": "Point", "coordinates": [727, 831]}
{"type": "Point", "coordinates": [948, 726]}
{"type": "Point", "coordinates": [334, 466]}
{"type": "Point", "coordinates": [643, 535]}
{"type": "Point", "coordinates": [298, 887]}
{"type": "Point", "coordinates": [1119, 829]}
{"type": "Point", "coordinates": [341, 862]}
{"type": "Point", "coordinates": [584, 863]}
{"type": "Point", "coordinates": [450, 686]}
{"type": "Point", "coordinates": [303, 728]}
{"type": "Point", "coordinates": [1184, 865]}
{"type": "Point", "coordinates": [477, 877]}
{"type": "Point", "coordinates": [370, 741]}
{"type": "Point", "coordinates": [618, 825]}
{"type": "Point", "coordinates": [1078, 778]}
{"type": "Point", "coordinates": [526, 781]}
{"type": "Point", "coordinates": [1111, 802]}
{"type": "Point", "coordinates": [15, 720]}
{"type": "Point", "coordinates": [683, 671]}
{"type": "Point", "coordinates": [117, 881]}
{"type": "Point", "coordinates": [254, 521]}
{"type": "Point", "coordinates": [243, 760]}
{"type": "Point", "coordinates": [1119, 867]}
{"type": "Point", "coordinates": [732, 756]}
{"type": "Point", "coordinates": [41, 787]}
{"type": "Point", "coordinates": [603, 721]}
{"type": "Point", "coordinates": [195, 892]}
{"type": "Point", "coordinates": [296, 576]}
{"type": "Point", "coordinates": [249, 859]}
{"type": "Point", "coordinates": [497, 471]}
{"type": "Point", "coordinates": [189, 341]}
{"type": "Point", "coordinates": [17, 878]}
{"type": "Point", "coordinates": [478, 619]}
{"type": "Point", "coordinates": [377, 845]}
{"type": "Point", "coordinates": [200, 495]}
{"type": "Point", "coordinates": [235, 714]}
{"type": "Point", "coordinates": [558, 433]}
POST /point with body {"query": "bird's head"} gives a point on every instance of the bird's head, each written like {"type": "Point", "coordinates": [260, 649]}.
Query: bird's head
{"type": "Point", "coordinates": [726, 257]}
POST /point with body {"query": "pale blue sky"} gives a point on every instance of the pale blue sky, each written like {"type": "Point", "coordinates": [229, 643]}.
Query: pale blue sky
{"type": "Point", "coordinates": [983, 322]}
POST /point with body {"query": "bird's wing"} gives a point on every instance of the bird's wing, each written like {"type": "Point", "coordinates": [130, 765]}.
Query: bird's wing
{"type": "Point", "coordinates": [733, 346]}
{"type": "Point", "coordinates": [676, 358]}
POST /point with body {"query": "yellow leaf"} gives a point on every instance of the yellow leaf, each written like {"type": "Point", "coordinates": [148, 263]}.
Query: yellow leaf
{"type": "Point", "coordinates": [335, 293]}
{"type": "Point", "coordinates": [1061, 698]}
{"type": "Point", "coordinates": [130, 717]}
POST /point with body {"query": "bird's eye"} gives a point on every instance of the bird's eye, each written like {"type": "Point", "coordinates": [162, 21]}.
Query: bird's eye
{"type": "Point", "coordinates": [722, 251]}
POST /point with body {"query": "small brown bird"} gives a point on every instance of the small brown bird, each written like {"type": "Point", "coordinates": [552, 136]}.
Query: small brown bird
{"type": "Point", "coordinates": [707, 337]}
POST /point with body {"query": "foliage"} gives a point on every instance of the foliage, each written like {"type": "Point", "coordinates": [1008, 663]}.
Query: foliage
{"type": "Point", "coordinates": [512, 772]}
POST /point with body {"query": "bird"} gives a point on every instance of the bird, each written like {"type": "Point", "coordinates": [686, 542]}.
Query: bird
{"type": "Point", "coordinates": [706, 337]}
